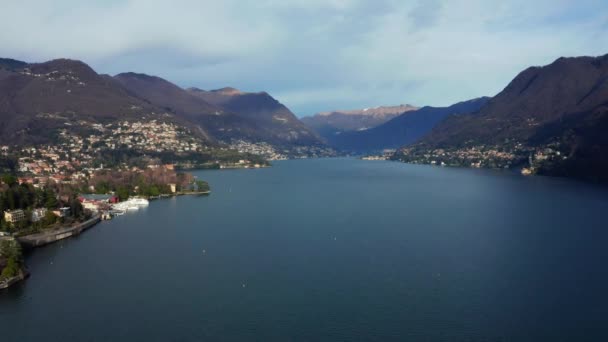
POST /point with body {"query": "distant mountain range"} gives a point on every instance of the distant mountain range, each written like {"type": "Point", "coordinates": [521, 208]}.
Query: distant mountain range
{"type": "Point", "coordinates": [330, 124]}
{"type": "Point", "coordinates": [36, 99]}
{"type": "Point", "coordinates": [550, 120]}
{"type": "Point", "coordinates": [555, 117]}
{"type": "Point", "coordinates": [400, 130]}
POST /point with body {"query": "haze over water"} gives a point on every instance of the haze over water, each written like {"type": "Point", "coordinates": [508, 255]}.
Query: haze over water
{"type": "Point", "coordinates": [336, 250]}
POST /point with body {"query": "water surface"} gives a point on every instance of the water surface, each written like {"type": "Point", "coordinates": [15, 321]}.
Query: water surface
{"type": "Point", "coordinates": [332, 250]}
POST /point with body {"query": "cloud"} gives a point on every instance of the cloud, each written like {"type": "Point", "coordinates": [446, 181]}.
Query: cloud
{"type": "Point", "coordinates": [313, 54]}
{"type": "Point", "coordinates": [425, 14]}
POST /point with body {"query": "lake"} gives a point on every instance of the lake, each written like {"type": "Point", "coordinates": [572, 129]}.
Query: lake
{"type": "Point", "coordinates": [332, 250]}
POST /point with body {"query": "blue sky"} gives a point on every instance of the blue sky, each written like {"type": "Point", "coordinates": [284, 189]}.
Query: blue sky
{"type": "Point", "coordinates": [313, 55]}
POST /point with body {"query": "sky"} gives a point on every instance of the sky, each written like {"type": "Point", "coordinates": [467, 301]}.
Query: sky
{"type": "Point", "coordinates": [312, 55]}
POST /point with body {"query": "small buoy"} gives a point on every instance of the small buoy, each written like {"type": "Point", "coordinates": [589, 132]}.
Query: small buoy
{"type": "Point", "coordinates": [204, 251]}
{"type": "Point", "coordinates": [244, 285]}
{"type": "Point", "coordinates": [335, 238]}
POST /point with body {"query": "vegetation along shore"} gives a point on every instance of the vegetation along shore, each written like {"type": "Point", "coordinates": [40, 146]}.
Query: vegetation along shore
{"type": "Point", "coordinates": [38, 211]}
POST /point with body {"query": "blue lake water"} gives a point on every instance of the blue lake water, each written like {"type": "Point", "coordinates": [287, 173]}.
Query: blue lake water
{"type": "Point", "coordinates": [332, 250]}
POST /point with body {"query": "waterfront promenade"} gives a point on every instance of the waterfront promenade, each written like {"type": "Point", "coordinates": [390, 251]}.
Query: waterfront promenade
{"type": "Point", "coordinates": [45, 238]}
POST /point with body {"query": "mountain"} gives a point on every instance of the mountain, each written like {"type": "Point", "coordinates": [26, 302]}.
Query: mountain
{"type": "Point", "coordinates": [538, 96]}
{"type": "Point", "coordinates": [41, 101]}
{"type": "Point", "coordinates": [172, 98]}
{"type": "Point", "coordinates": [11, 64]}
{"type": "Point", "coordinates": [264, 118]}
{"type": "Point", "coordinates": [401, 130]}
{"type": "Point", "coordinates": [328, 124]}
{"type": "Point", "coordinates": [227, 114]}
{"type": "Point", "coordinates": [36, 99]}
{"type": "Point", "coordinates": [555, 116]}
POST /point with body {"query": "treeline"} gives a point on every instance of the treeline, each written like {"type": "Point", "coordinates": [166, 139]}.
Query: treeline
{"type": "Point", "coordinates": [11, 259]}
{"type": "Point", "coordinates": [114, 158]}
{"type": "Point", "coordinates": [27, 197]}
{"type": "Point", "coordinates": [149, 183]}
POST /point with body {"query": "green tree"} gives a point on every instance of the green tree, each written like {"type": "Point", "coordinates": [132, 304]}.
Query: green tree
{"type": "Point", "coordinates": [11, 269]}
{"type": "Point", "coordinates": [9, 180]}
{"type": "Point", "coordinates": [153, 191]}
{"type": "Point", "coordinates": [123, 193]}
{"type": "Point", "coordinates": [11, 249]}
{"type": "Point", "coordinates": [51, 199]}
{"type": "Point", "coordinates": [202, 185]}
{"type": "Point", "coordinates": [76, 207]}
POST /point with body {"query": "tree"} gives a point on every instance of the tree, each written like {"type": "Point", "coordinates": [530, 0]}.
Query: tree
{"type": "Point", "coordinates": [153, 191]}
{"type": "Point", "coordinates": [123, 193]}
{"type": "Point", "coordinates": [10, 249]}
{"type": "Point", "coordinates": [202, 185]}
{"type": "Point", "coordinates": [76, 207]}
{"type": "Point", "coordinates": [9, 180]}
{"type": "Point", "coordinates": [51, 199]}
{"type": "Point", "coordinates": [11, 269]}
{"type": "Point", "coordinates": [49, 219]}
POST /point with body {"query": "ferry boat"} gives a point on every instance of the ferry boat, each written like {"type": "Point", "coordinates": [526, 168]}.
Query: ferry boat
{"type": "Point", "coordinates": [131, 204]}
{"type": "Point", "coordinates": [138, 201]}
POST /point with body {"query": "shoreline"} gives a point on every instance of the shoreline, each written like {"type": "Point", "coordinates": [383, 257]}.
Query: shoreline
{"type": "Point", "coordinates": [5, 284]}
{"type": "Point", "coordinates": [45, 238]}
{"type": "Point", "coordinates": [38, 240]}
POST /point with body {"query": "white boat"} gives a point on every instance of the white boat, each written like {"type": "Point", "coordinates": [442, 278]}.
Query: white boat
{"type": "Point", "coordinates": [139, 201]}
{"type": "Point", "coordinates": [131, 204]}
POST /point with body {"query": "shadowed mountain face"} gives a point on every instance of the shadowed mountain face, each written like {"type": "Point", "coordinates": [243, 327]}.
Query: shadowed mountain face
{"type": "Point", "coordinates": [329, 124]}
{"type": "Point", "coordinates": [267, 119]}
{"type": "Point", "coordinates": [401, 130]}
{"type": "Point", "coordinates": [174, 99]}
{"type": "Point", "coordinates": [226, 114]}
{"type": "Point", "coordinates": [564, 104]}
{"type": "Point", "coordinates": [35, 99]}
{"type": "Point", "coordinates": [11, 64]}
{"type": "Point", "coordinates": [537, 97]}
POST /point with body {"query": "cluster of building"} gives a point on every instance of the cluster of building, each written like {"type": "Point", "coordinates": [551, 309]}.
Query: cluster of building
{"type": "Point", "coordinates": [271, 152]}
{"type": "Point", "coordinates": [55, 75]}
{"type": "Point", "coordinates": [260, 148]}
{"type": "Point", "coordinates": [74, 155]}
{"type": "Point", "coordinates": [483, 156]}
{"type": "Point", "coordinates": [543, 156]}
{"type": "Point", "coordinates": [145, 136]}
{"type": "Point", "coordinates": [386, 155]}
{"type": "Point", "coordinates": [13, 217]}
{"type": "Point", "coordinates": [96, 203]}
{"type": "Point", "coordinates": [475, 156]}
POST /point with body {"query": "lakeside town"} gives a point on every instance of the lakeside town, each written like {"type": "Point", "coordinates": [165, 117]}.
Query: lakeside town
{"type": "Point", "coordinates": [88, 172]}
{"type": "Point", "coordinates": [47, 203]}
{"type": "Point", "coordinates": [530, 160]}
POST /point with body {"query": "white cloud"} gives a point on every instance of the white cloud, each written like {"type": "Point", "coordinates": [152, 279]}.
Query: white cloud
{"type": "Point", "coordinates": [314, 54]}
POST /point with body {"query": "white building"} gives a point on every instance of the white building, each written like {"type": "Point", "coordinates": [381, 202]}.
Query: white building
{"type": "Point", "coordinates": [38, 214]}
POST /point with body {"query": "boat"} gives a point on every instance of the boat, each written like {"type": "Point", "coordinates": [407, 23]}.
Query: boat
{"type": "Point", "coordinates": [116, 212]}
{"type": "Point", "coordinates": [138, 201]}
{"type": "Point", "coordinates": [131, 204]}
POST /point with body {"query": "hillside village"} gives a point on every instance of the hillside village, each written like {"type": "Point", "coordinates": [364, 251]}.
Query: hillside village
{"type": "Point", "coordinates": [529, 159]}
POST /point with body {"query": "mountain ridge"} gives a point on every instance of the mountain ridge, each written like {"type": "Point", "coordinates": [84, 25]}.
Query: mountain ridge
{"type": "Point", "coordinates": [328, 124]}
{"type": "Point", "coordinates": [401, 130]}
{"type": "Point", "coordinates": [549, 120]}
